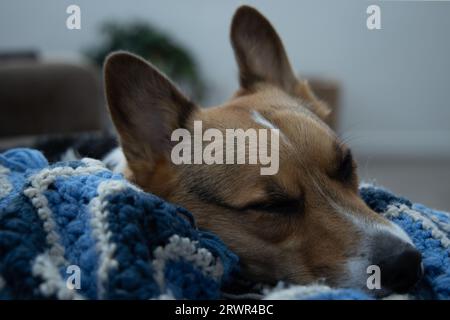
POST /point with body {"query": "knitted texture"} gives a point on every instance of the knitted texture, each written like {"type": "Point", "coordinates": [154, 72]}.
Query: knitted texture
{"type": "Point", "coordinates": [128, 244]}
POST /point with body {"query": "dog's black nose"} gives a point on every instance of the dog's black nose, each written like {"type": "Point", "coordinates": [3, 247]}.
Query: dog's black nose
{"type": "Point", "coordinates": [400, 272]}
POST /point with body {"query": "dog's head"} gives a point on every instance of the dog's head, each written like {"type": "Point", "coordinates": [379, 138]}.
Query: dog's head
{"type": "Point", "coordinates": [304, 224]}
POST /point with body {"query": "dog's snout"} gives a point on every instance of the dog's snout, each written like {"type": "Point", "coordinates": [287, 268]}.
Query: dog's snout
{"type": "Point", "coordinates": [402, 270]}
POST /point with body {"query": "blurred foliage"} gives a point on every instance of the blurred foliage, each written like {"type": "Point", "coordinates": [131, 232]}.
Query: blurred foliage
{"type": "Point", "coordinates": [155, 46]}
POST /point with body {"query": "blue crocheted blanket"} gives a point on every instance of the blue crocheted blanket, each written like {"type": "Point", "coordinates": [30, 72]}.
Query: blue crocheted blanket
{"type": "Point", "coordinates": [75, 230]}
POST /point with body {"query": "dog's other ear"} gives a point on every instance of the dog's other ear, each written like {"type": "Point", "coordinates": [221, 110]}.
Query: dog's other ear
{"type": "Point", "coordinates": [259, 51]}
{"type": "Point", "coordinates": [261, 58]}
{"type": "Point", "coordinates": [145, 108]}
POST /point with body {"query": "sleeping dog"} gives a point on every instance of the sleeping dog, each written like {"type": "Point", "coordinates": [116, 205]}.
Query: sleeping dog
{"type": "Point", "coordinates": [304, 224]}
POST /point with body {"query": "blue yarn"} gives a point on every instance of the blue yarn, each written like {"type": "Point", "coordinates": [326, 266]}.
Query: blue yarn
{"type": "Point", "coordinates": [21, 159]}
{"type": "Point", "coordinates": [139, 224]}
{"type": "Point", "coordinates": [378, 198]}
{"type": "Point", "coordinates": [21, 239]}
{"type": "Point", "coordinates": [340, 294]}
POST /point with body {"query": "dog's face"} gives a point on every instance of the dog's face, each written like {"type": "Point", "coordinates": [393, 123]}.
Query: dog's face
{"type": "Point", "coordinates": [307, 222]}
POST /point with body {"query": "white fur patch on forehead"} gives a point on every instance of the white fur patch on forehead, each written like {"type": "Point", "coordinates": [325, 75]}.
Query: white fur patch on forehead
{"type": "Point", "coordinates": [259, 118]}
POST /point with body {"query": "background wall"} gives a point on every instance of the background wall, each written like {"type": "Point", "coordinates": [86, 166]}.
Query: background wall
{"type": "Point", "coordinates": [395, 81]}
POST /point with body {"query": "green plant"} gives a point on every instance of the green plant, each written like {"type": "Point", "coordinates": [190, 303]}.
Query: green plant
{"type": "Point", "coordinates": [155, 46]}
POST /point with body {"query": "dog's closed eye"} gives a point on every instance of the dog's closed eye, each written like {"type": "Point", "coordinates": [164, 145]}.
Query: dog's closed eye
{"type": "Point", "coordinates": [279, 205]}
{"type": "Point", "coordinates": [345, 169]}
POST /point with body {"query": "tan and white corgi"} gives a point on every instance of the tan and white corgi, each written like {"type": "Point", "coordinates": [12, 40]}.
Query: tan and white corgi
{"type": "Point", "coordinates": [304, 224]}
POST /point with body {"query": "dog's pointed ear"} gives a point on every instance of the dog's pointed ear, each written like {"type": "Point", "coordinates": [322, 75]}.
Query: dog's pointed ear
{"type": "Point", "coordinates": [259, 51]}
{"type": "Point", "coordinates": [145, 107]}
{"type": "Point", "coordinates": [261, 57]}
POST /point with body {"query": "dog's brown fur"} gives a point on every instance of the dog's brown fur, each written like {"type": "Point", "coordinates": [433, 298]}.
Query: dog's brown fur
{"type": "Point", "coordinates": [283, 227]}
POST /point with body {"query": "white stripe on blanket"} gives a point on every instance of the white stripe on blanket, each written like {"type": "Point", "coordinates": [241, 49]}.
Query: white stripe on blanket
{"type": "Point", "coordinates": [39, 184]}
{"type": "Point", "coordinates": [181, 247]}
{"type": "Point", "coordinates": [53, 283]}
{"type": "Point", "coordinates": [101, 232]}
{"type": "Point", "coordinates": [396, 210]}
{"type": "Point", "coordinates": [5, 185]}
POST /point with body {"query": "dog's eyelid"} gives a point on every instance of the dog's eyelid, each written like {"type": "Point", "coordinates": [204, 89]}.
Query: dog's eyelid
{"type": "Point", "coordinates": [346, 167]}
{"type": "Point", "coordinates": [280, 205]}
{"type": "Point", "coordinates": [348, 159]}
